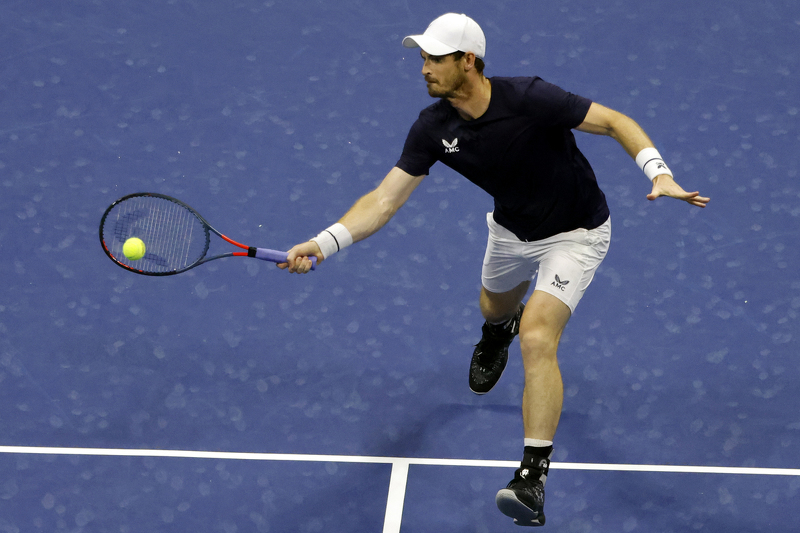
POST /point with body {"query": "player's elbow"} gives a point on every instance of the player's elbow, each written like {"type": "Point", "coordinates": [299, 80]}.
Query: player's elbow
{"type": "Point", "coordinates": [387, 206]}
{"type": "Point", "coordinates": [376, 208]}
{"type": "Point", "coordinates": [601, 120]}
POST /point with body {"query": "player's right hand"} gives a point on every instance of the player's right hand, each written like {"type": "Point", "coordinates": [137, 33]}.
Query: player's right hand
{"type": "Point", "coordinates": [298, 262]}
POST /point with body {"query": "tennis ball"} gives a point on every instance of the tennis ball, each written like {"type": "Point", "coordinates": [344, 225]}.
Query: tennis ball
{"type": "Point", "coordinates": [133, 248]}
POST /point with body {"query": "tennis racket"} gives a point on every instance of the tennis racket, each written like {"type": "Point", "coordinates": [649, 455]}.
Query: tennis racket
{"type": "Point", "coordinates": [176, 238]}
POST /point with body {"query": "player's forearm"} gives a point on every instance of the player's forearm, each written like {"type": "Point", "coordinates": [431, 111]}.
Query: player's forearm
{"type": "Point", "coordinates": [629, 135]}
{"type": "Point", "coordinates": [373, 210]}
{"type": "Point", "coordinates": [601, 120]}
{"type": "Point", "coordinates": [369, 214]}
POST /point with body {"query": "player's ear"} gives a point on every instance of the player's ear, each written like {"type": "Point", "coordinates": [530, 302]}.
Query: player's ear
{"type": "Point", "coordinates": [469, 61]}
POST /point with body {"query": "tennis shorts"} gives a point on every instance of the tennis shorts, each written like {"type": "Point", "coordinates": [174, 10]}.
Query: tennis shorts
{"type": "Point", "coordinates": [563, 264]}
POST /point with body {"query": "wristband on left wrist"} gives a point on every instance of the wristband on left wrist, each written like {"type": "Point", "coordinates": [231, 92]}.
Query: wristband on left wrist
{"type": "Point", "coordinates": [651, 163]}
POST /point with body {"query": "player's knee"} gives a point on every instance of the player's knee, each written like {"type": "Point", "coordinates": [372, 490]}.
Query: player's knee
{"type": "Point", "coordinates": [537, 344]}
{"type": "Point", "coordinates": [499, 308]}
{"type": "Point", "coordinates": [497, 312]}
{"type": "Point", "coordinates": [498, 315]}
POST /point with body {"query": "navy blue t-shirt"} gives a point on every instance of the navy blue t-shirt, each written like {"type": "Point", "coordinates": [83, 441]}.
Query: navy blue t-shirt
{"type": "Point", "coordinates": [521, 151]}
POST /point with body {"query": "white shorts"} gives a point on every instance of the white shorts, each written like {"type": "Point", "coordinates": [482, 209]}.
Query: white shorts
{"type": "Point", "coordinates": [565, 263]}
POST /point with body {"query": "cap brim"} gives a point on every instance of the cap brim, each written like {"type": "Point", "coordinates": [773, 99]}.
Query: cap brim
{"type": "Point", "coordinates": [429, 45]}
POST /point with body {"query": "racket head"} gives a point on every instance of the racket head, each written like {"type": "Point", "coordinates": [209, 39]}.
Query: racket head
{"type": "Point", "coordinates": [176, 237]}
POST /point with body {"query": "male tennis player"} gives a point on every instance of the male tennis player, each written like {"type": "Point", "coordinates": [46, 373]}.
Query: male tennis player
{"type": "Point", "coordinates": [512, 137]}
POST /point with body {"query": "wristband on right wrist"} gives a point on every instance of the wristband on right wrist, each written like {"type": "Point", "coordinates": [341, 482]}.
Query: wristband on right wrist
{"type": "Point", "coordinates": [333, 239]}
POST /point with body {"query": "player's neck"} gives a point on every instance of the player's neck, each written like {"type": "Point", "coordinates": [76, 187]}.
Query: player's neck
{"type": "Point", "coordinates": [474, 99]}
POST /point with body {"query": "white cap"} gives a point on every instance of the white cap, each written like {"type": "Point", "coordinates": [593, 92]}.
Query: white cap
{"type": "Point", "coordinates": [450, 33]}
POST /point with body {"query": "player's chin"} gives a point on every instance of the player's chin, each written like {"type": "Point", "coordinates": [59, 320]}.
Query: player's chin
{"type": "Point", "coordinates": [434, 91]}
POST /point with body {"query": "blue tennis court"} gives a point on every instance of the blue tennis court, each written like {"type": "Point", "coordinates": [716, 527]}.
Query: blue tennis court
{"type": "Point", "coordinates": [235, 397]}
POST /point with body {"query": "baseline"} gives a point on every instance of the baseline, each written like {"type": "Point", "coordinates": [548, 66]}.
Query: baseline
{"type": "Point", "coordinates": [400, 465]}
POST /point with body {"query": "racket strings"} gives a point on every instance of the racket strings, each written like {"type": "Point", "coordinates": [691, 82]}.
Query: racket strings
{"type": "Point", "coordinates": [180, 242]}
{"type": "Point", "coordinates": [174, 237]}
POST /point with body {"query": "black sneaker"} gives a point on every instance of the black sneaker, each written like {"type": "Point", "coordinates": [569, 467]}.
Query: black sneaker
{"type": "Point", "coordinates": [491, 354]}
{"type": "Point", "coordinates": [523, 498]}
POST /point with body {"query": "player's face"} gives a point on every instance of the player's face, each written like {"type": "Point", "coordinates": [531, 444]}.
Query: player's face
{"type": "Point", "coordinates": [443, 74]}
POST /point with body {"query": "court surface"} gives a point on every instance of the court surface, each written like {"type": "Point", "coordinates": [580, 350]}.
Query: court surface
{"type": "Point", "coordinates": [238, 398]}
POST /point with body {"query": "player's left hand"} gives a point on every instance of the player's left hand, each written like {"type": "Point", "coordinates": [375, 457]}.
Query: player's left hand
{"type": "Point", "coordinates": [664, 185]}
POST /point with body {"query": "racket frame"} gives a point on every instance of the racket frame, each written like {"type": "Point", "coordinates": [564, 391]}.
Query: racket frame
{"type": "Point", "coordinates": [264, 254]}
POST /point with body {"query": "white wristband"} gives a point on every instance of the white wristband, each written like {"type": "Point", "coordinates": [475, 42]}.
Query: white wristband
{"type": "Point", "coordinates": [333, 239]}
{"type": "Point", "coordinates": [649, 160]}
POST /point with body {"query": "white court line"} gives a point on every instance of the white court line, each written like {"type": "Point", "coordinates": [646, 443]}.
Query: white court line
{"type": "Point", "coordinates": [396, 498]}
{"type": "Point", "coordinates": [399, 477]}
{"type": "Point", "coordinates": [251, 456]}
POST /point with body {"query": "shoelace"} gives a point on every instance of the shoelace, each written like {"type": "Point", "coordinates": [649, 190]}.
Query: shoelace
{"type": "Point", "coordinates": [531, 484]}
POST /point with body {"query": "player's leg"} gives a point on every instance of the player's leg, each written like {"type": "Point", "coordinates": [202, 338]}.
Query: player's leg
{"type": "Point", "coordinates": [566, 268]}
{"type": "Point", "coordinates": [505, 280]}
{"type": "Point", "coordinates": [499, 308]}
{"type": "Point", "coordinates": [543, 322]}
{"type": "Point", "coordinates": [540, 332]}
{"type": "Point", "coordinates": [503, 312]}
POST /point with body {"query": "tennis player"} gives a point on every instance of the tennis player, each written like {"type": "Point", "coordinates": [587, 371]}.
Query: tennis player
{"type": "Point", "coordinates": [513, 138]}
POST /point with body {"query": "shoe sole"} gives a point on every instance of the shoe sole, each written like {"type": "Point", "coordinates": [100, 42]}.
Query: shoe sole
{"type": "Point", "coordinates": [511, 506]}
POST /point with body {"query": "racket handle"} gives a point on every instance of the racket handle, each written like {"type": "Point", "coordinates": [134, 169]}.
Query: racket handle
{"type": "Point", "coordinates": [277, 256]}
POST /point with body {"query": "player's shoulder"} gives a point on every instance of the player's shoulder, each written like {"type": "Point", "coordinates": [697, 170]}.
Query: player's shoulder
{"type": "Point", "coordinates": [531, 92]}
{"type": "Point", "coordinates": [437, 113]}
{"type": "Point", "coordinates": [516, 85]}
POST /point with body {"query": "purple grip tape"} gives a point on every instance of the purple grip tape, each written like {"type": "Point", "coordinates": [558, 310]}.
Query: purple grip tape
{"type": "Point", "coordinates": [277, 256]}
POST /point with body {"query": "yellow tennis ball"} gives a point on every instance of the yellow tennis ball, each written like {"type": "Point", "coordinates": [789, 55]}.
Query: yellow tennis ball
{"type": "Point", "coordinates": [133, 248]}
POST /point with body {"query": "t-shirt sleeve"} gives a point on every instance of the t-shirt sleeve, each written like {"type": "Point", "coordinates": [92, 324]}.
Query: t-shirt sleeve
{"type": "Point", "coordinates": [417, 157]}
{"type": "Point", "coordinates": [555, 106]}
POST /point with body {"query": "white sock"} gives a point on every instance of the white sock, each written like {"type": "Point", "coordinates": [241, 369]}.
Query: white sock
{"type": "Point", "coordinates": [538, 443]}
